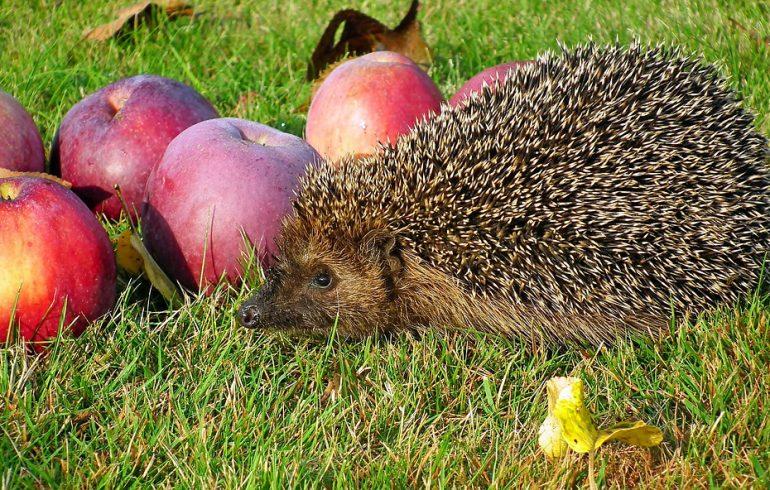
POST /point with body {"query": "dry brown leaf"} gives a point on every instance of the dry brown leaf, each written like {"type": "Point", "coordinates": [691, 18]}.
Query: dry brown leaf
{"type": "Point", "coordinates": [5, 173]}
{"type": "Point", "coordinates": [332, 389]}
{"type": "Point", "coordinates": [139, 13]}
{"type": "Point", "coordinates": [362, 34]}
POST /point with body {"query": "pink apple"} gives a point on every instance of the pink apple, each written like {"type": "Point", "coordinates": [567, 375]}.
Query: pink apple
{"type": "Point", "coordinates": [490, 77]}
{"type": "Point", "coordinates": [21, 148]}
{"type": "Point", "coordinates": [367, 100]}
{"type": "Point", "coordinates": [217, 180]}
{"type": "Point", "coordinates": [56, 261]}
{"type": "Point", "coordinates": [118, 134]}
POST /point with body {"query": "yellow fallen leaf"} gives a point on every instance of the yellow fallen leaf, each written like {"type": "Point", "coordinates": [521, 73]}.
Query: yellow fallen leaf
{"type": "Point", "coordinates": [151, 269]}
{"type": "Point", "coordinates": [569, 418]}
{"type": "Point", "coordinates": [126, 255]}
{"type": "Point", "coordinates": [155, 274]}
{"type": "Point", "coordinates": [635, 433]}
{"type": "Point", "coordinates": [550, 438]}
{"type": "Point", "coordinates": [565, 395]}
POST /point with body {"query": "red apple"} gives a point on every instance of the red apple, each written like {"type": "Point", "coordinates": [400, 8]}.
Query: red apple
{"type": "Point", "coordinates": [217, 180]}
{"type": "Point", "coordinates": [490, 77]}
{"type": "Point", "coordinates": [118, 134]}
{"type": "Point", "coordinates": [367, 100]}
{"type": "Point", "coordinates": [21, 148]}
{"type": "Point", "coordinates": [53, 252]}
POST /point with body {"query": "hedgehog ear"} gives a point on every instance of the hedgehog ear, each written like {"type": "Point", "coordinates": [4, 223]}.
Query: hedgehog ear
{"type": "Point", "coordinates": [384, 247]}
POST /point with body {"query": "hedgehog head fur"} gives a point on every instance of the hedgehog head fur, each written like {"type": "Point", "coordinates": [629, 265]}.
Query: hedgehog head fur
{"type": "Point", "coordinates": [588, 196]}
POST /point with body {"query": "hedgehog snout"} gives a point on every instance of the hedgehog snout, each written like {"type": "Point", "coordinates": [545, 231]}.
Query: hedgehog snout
{"type": "Point", "coordinates": [249, 315]}
{"type": "Point", "coordinates": [258, 311]}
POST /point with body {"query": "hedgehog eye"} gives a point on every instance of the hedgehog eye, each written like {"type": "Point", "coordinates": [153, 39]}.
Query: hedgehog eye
{"type": "Point", "coordinates": [322, 280]}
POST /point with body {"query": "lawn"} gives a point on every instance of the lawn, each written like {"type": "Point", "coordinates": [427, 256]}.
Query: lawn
{"type": "Point", "coordinates": [151, 397]}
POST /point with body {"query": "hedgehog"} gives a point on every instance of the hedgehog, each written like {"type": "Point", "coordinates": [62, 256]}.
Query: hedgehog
{"type": "Point", "coordinates": [595, 194]}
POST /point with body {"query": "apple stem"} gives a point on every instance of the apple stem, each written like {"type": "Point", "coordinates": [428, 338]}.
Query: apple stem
{"type": "Point", "coordinates": [8, 192]}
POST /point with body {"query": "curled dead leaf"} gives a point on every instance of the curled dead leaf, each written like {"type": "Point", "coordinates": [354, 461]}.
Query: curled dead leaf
{"type": "Point", "coordinates": [363, 34]}
{"type": "Point", "coordinates": [137, 14]}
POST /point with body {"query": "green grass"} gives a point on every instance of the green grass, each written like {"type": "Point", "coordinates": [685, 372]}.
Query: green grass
{"type": "Point", "coordinates": [186, 398]}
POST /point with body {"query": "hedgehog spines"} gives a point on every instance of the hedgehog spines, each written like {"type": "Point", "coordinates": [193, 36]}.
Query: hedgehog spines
{"type": "Point", "coordinates": [597, 183]}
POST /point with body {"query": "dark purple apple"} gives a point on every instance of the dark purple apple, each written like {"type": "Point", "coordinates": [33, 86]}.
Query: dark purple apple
{"type": "Point", "coordinates": [218, 181]}
{"type": "Point", "coordinates": [21, 148]}
{"type": "Point", "coordinates": [369, 100]}
{"type": "Point", "coordinates": [56, 262]}
{"type": "Point", "coordinates": [491, 77]}
{"type": "Point", "coordinates": [118, 134]}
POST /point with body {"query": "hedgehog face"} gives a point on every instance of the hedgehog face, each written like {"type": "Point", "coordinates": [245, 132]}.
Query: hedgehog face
{"type": "Point", "coordinates": [317, 284]}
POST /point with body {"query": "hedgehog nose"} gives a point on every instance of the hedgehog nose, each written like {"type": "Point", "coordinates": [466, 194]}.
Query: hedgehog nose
{"type": "Point", "coordinates": [250, 315]}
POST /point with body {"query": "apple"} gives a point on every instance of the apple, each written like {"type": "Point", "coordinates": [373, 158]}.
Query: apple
{"type": "Point", "coordinates": [56, 262]}
{"type": "Point", "coordinates": [489, 77]}
{"type": "Point", "coordinates": [218, 181]}
{"type": "Point", "coordinates": [119, 133]}
{"type": "Point", "coordinates": [367, 100]}
{"type": "Point", "coordinates": [21, 148]}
